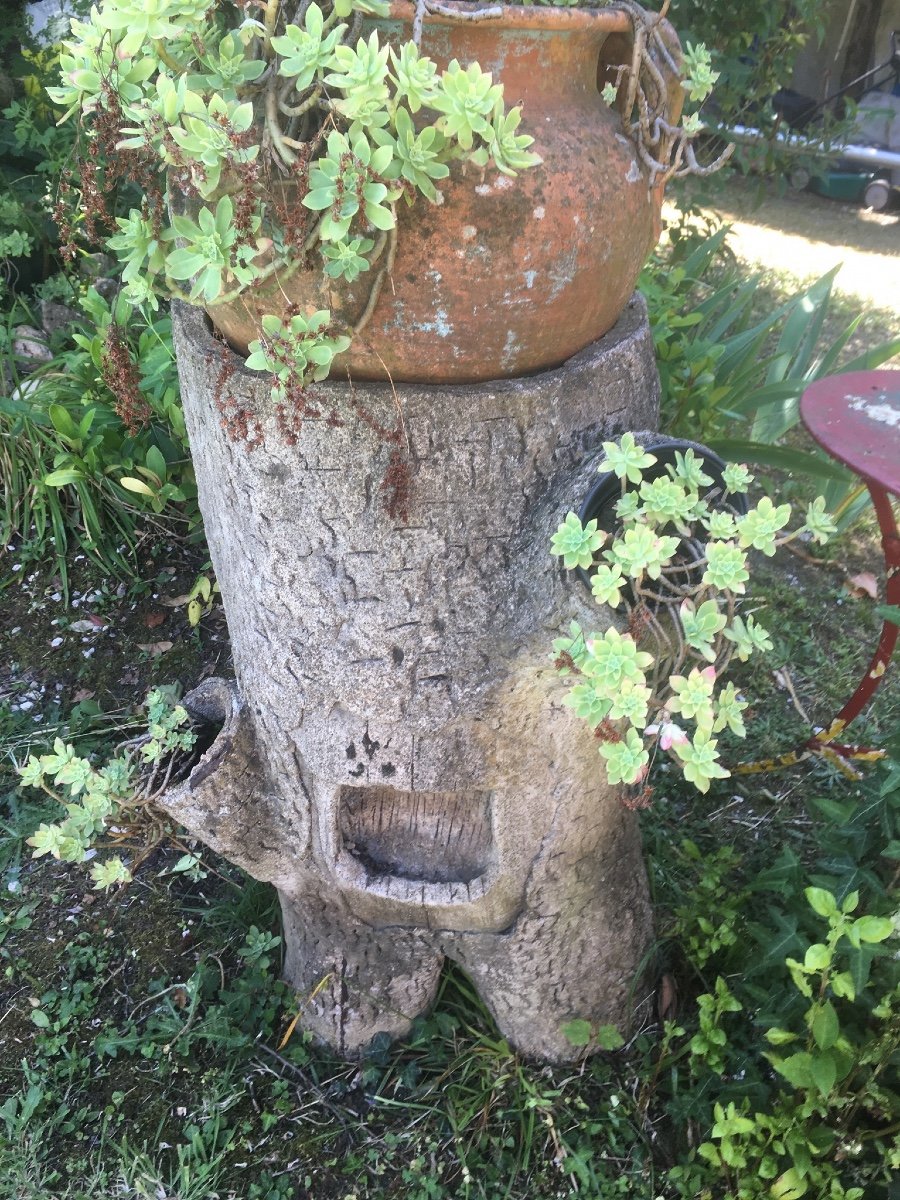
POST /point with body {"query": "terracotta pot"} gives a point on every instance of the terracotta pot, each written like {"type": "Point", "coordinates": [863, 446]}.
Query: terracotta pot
{"type": "Point", "coordinates": [508, 275]}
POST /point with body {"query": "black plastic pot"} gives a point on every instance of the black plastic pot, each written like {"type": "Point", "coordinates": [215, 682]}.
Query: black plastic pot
{"type": "Point", "coordinates": [599, 503]}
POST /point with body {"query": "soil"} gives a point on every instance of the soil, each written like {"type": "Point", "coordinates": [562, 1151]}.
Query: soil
{"type": "Point", "coordinates": [113, 642]}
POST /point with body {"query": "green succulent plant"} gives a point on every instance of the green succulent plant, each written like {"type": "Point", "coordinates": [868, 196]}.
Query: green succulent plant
{"type": "Point", "coordinates": [677, 594]}
{"type": "Point", "coordinates": [467, 99]}
{"type": "Point", "coordinates": [134, 22]}
{"type": "Point", "coordinates": [418, 155]}
{"type": "Point", "coordinates": [688, 470]}
{"type": "Point", "coordinates": [642, 550]}
{"type": "Point", "coordinates": [575, 543]}
{"type": "Point", "coordinates": [218, 101]}
{"type": "Point", "coordinates": [626, 760]}
{"type": "Point", "coordinates": [726, 567]}
{"type": "Point", "coordinates": [607, 584]}
{"type": "Point", "coordinates": [347, 259]}
{"type": "Point", "coordinates": [589, 701]}
{"type": "Point", "coordinates": [347, 181]}
{"type": "Point", "coordinates": [759, 527]}
{"type": "Point", "coordinates": [361, 74]}
{"type": "Point", "coordinates": [211, 254]}
{"type": "Point", "coordinates": [664, 499]}
{"type": "Point", "coordinates": [613, 658]}
{"type": "Point", "coordinates": [819, 524]}
{"type": "Point", "coordinates": [414, 77]}
{"type": "Point", "coordinates": [701, 625]}
{"type": "Point", "coordinates": [308, 50]}
{"type": "Point", "coordinates": [729, 711]}
{"type": "Point", "coordinates": [626, 459]}
{"type": "Point", "coordinates": [295, 350]}
{"type": "Point", "coordinates": [700, 760]}
{"type": "Point", "coordinates": [692, 695]}
{"type": "Point", "coordinates": [747, 636]}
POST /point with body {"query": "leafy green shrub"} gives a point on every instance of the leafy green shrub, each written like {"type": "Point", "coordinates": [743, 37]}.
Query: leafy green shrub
{"type": "Point", "coordinates": [94, 440]}
{"type": "Point", "coordinates": [787, 1075]}
{"type": "Point", "coordinates": [34, 149]}
{"type": "Point", "coordinates": [735, 381]}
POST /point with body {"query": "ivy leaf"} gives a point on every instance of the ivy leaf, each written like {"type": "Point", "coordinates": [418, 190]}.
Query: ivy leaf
{"type": "Point", "coordinates": [859, 960]}
{"type": "Point", "coordinates": [780, 1037]}
{"type": "Point", "coordinates": [873, 929]}
{"type": "Point", "coordinates": [817, 958]}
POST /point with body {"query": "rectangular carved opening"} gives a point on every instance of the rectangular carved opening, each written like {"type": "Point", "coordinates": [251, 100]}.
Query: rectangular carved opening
{"type": "Point", "coordinates": [432, 837]}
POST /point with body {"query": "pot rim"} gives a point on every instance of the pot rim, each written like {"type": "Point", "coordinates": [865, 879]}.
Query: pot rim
{"type": "Point", "coordinates": [514, 16]}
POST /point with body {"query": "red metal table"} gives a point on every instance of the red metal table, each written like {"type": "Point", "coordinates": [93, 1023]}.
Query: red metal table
{"type": "Point", "coordinates": [855, 418]}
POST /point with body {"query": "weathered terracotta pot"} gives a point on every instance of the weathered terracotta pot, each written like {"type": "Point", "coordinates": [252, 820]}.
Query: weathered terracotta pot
{"type": "Point", "coordinates": [508, 275]}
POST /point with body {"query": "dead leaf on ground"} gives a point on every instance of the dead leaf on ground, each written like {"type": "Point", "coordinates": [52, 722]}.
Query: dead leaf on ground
{"type": "Point", "coordinates": [863, 584]}
{"type": "Point", "coordinates": [83, 694]}
{"type": "Point", "coordinates": [667, 998]}
{"type": "Point", "coordinates": [155, 648]}
{"type": "Point", "coordinates": [152, 619]}
{"type": "Point", "coordinates": [174, 601]}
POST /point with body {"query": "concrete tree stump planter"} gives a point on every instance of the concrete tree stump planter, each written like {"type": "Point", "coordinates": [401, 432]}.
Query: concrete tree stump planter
{"type": "Point", "coordinates": [395, 756]}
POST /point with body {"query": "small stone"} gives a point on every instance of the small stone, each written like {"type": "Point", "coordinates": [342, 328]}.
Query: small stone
{"type": "Point", "coordinates": [31, 344]}
{"type": "Point", "coordinates": [94, 266]}
{"type": "Point", "coordinates": [25, 389]}
{"type": "Point", "coordinates": [56, 316]}
{"type": "Point", "coordinates": [57, 641]}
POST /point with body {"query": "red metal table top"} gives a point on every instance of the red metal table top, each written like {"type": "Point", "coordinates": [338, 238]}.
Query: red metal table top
{"type": "Point", "coordinates": [856, 418]}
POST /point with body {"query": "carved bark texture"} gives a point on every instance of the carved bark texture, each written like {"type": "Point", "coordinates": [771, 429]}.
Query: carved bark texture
{"type": "Point", "coordinates": [396, 757]}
